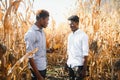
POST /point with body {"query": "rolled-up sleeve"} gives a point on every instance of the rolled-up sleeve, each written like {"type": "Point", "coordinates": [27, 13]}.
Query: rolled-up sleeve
{"type": "Point", "coordinates": [29, 41]}
{"type": "Point", "coordinates": [85, 45]}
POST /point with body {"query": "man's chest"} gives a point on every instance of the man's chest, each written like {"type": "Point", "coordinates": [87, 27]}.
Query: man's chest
{"type": "Point", "coordinates": [40, 40]}
{"type": "Point", "coordinates": [40, 36]}
{"type": "Point", "coordinates": [75, 40]}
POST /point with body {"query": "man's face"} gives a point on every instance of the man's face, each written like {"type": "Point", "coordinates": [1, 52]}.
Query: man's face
{"type": "Point", "coordinates": [73, 25]}
{"type": "Point", "coordinates": [44, 22]}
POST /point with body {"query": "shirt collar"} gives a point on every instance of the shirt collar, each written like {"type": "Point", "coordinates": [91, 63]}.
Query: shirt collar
{"type": "Point", "coordinates": [76, 31]}
{"type": "Point", "coordinates": [36, 28]}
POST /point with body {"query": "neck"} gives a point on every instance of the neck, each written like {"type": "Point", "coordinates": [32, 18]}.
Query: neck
{"type": "Point", "coordinates": [38, 25]}
{"type": "Point", "coordinates": [75, 30]}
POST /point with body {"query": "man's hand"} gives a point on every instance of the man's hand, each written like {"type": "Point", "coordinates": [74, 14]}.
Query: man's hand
{"type": "Point", "coordinates": [41, 78]}
{"type": "Point", "coordinates": [66, 67]}
{"type": "Point", "coordinates": [50, 50]}
{"type": "Point", "coordinates": [82, 73]}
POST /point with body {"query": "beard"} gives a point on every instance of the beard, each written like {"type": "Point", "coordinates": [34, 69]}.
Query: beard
{"type": "Point", "coordinates": [44, 25]}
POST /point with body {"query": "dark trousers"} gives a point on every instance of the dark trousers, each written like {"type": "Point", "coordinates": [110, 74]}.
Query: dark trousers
{"type": "Point", "coordinates": [43, 74]}
{"type": "Point", "coordinates": [74, 74]}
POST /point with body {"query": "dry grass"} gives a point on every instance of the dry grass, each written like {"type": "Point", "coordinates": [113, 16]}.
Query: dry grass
{"type": "Point", "coordinates": [101, 23]}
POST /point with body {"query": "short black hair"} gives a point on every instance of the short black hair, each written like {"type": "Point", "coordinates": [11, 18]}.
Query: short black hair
{"type": "Point", "coordinates": [74, 18]}
{"type": "Point", "coordinates": [42, 14]}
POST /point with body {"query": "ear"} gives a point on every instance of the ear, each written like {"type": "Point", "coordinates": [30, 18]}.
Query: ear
{"type": "Point", "coordinates": [77, 23]}
{"type": "Point", "coordinates": [40, 20]}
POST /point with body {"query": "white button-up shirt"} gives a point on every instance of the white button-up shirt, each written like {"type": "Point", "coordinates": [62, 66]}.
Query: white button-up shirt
{"type": "Point", "coordinates": [77, 48]}
{"type": "Point", "coordinates": [35, 38]}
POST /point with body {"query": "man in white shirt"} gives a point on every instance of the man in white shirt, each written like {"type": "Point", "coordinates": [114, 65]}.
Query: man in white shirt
{"type": "Point", "coordinates": [35, 38]}
{"type": "Point", "coordinates": [77, 50]}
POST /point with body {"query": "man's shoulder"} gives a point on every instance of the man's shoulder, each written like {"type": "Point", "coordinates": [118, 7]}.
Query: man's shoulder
{"type": "Point", "coordinates": [85, 34]}
{"type": "Point", "coordinates": [82, 32]}
{"type": "Point", "coordinates": [30, 32]}
{"type": "Point", "coordinates": [70, 34]}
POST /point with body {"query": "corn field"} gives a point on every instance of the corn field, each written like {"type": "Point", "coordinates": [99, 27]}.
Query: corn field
{"type": "Point", "coordinates": [100, 19]}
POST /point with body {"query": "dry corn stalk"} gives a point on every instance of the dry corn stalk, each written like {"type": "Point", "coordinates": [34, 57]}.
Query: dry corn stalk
{"type": "Point", "coordinates": [102, 27]}
{"type": "Point", "coordinates": [21, 60]}
{"type": "Point", "coordinates": [12, 9]}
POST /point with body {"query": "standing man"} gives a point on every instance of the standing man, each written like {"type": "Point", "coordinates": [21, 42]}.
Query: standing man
{"type": "Point", "coordinates": [77, 50]}
{"type": "Point", "coordinates": [35, 38]}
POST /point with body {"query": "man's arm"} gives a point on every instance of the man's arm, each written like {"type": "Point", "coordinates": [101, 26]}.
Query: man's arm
{"type": "Point", "coordinates": [85, 63]}
{"type": "Point", "coordinates": [83, 72]}
{"type": "Point", "coordinates": [32, 63]}
{"type": "Point", "coordinates": [85, 48]}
